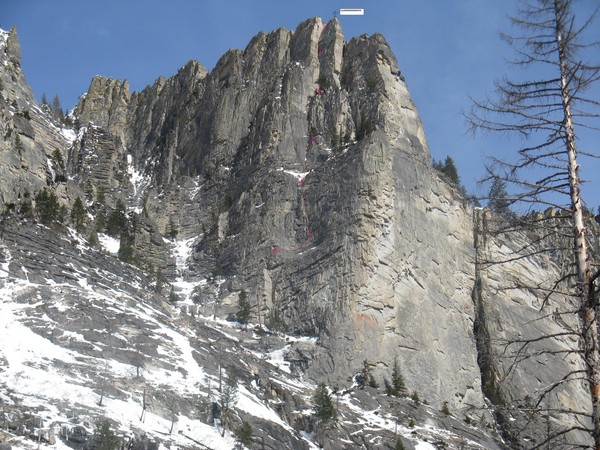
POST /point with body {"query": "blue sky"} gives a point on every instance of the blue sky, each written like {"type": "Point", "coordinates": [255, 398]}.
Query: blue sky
{"type": "Point", "coordinates": [446, 49]}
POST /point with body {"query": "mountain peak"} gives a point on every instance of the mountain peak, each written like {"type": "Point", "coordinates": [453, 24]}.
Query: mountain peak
{"type": "Point", "coordinates": [292, 180]}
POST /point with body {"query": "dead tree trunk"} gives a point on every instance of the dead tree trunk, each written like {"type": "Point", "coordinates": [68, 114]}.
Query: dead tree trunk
{"type": "Point", "coordinates": [585, 287]}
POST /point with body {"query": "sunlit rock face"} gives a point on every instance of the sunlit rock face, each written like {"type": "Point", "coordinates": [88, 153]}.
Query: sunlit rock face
{"type": "Point", "coordinates": [297, 170]}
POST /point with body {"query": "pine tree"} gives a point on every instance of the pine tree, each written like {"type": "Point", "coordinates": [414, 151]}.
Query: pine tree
{"type": "Point", "coordinates": [398, 386]}
{"type": "Point", "coordinates": [415, 398]}
{"type": "Point", "coordinates": [366, 377]}
{"type": "Point", "coordinates": [100, 222]}
{"type": "Point", "coordinates": [117, 220]}
{"type": "Point", "coordinates": [160, 281]}
{"type": "Point", "coordinates": [228, 399]}
{"type": "Point", "coordinates": [56, 109]}
{"type": "Point", "coordinates": [173, 298]}
{"type": "Point", "coordinates": [449, 169]}
{"type": "Point", "coordinates": [244, 434]}
{"type": "Point", "coordinates": [57, 157]}
{"type": "Point", "coordinates": [93, 238]}
{"type": "Point", "coordinates": [47, 207]}
{"type": "Point", "coordinates": [498, 200]}
{"type": "Point", "coordinates": [105, 438]}
{"type": "Point", "coordinates": [243, 313]}
{"type": "Point", "coordinates": [173, 232]}
{"type": "Point", "coordinates": [78, 214]}
{"type": "Point", "coordinates": [101, 195]}
{"type": "Point", "coordinates": [323, 403]}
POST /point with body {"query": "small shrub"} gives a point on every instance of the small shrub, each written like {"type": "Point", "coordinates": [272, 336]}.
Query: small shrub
{"type": "Point", "coordinates": [10, 208]}
{"type": "Point", "coordinates": [445, 409]}
{"type": "Point", "coordinates": [399, 445]}
{"type": "Point", "coordinates": [25, 208]}
{"type": "Point", "coordinates": [58, 159]}
{"type": "Point", "coordinates": [415, 397]}
{"type": "Point", "coordinates": [218, 270]}
{"type": "Point", "coordinates": [371, 85]}
{"type": "Point", "coordinates": [323, 82]}
{"type": "Point", "coordinates": [275, 321]}
{"type": "Point", "coordinates": [344, 78]}
{"type": "Point", "coordinates": [173, 297]}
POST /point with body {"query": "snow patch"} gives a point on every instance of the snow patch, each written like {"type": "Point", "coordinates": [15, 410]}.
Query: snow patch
{"type": "Point", "coordinates": [420, 445]}
{"type": "Point", "coordinates": [68, 134]}
{"type": "Point", "coordinates": [109, 243]}
{"type": "Point", "coordinates": [5, 265]}
{"type": "Point", "coordinates": [139, 182]}
{"type": "Point", "coordinates": [294, 173]}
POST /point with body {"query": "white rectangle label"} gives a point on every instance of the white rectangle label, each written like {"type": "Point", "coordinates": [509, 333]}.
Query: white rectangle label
{"type": "Point", "coordinates": [352, 12]}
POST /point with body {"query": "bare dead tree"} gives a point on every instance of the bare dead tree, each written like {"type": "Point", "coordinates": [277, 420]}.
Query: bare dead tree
{"type": "Point", "coordinates": [173, 409]}
{"type": "Point", "coordinates": [227, 400]}
{"type": "Point", "coordinates": [144, 404]}
{"type": "Point", "coordinates": [546, 112]}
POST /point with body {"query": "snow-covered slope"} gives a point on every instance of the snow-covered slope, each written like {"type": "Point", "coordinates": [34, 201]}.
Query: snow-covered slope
{"type": "Point", "coordinates": [87, 338]}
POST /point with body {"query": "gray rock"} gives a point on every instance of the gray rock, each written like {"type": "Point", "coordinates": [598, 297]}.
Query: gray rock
{"type": "Point", "coordinates": [299, 171]}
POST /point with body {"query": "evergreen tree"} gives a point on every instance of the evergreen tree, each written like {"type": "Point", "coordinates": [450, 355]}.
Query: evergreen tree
{"type": "Point", "coordinates": [47, 207]}
{"type": "Point", "coordinates": [78, 215]}
{"type": "Point", "coordinates": [105, 438]}
{"type": "Point", "coordinates": [398, 386]}
{"type": "Point", "coordinates": [126, 252]}
{"type": "Point", "coordinates": [173, 232]}
{"type": "Point", "coordinates": [366, 378]}
{"type": "Point", "coordinates": [56, 109]}
{"type": "Point", "coordinates": [93, 238]}
{"type": "Point", "coordinates": [101, 195]}
{"type": "Point", "coordinates": [173, 298]}
{"type": "Point", "coordinates": [160, 281]}
{"type": "Point", "coordinates": [57, 157]}
{"type": "Point", "coordinates": [244, 434]}
{"type": "Point", "coordinates": [100, 222]}
{"type": "Point", "coordinates": [25, 208]}
{"type": "Point", "coordinates": [243, 313]}
{"type": "Point", "coordinates": [415, 397]}
{"type": "Point", "coordinates": [498, 200]}
{"type": "Point", "coordinates": [44, 99]}
{"type": "Point", "coordinates": [449, 169]}
{"type": "Point", "coordinates": [323, 403]}
{"type": "Point", "coordinates": [117, 220]}
{"type": "Point", "coordinates": [228, 399]}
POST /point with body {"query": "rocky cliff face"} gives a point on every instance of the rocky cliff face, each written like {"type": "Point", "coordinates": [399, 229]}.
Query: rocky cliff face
{"type": "Point", "coordinates": [28, 136]}
{"type": "Point", "coordinates": [298, 171]}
